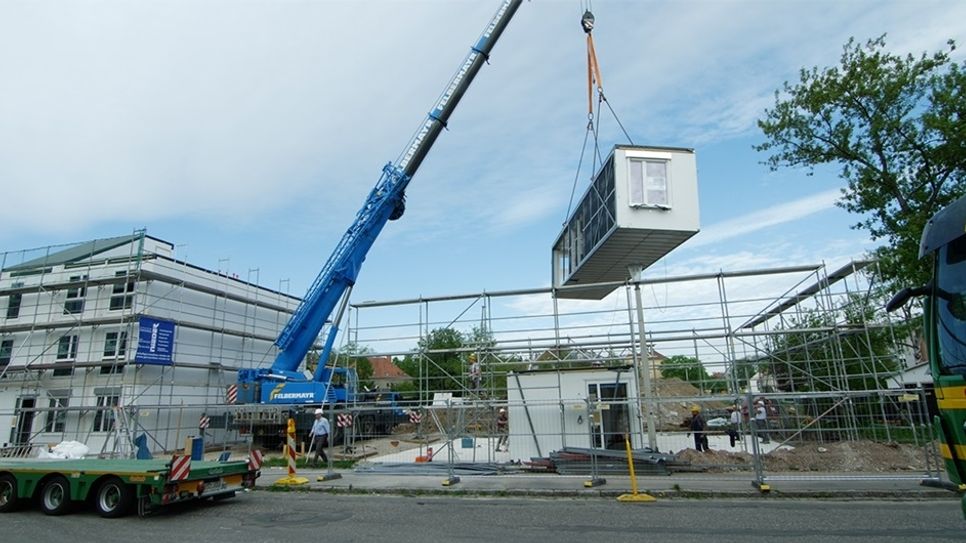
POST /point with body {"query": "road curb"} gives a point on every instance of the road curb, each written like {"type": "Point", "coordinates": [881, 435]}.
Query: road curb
{"type": "Point", "coordinates": [614, 493]}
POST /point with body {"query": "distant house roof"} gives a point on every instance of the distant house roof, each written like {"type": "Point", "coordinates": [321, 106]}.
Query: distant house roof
{"type": "Point", "coordinates": [384, 368]}
{"type": "Point", "coordinates": [74, 253]}
{"type": "Point", "coordinates": [654, 355]}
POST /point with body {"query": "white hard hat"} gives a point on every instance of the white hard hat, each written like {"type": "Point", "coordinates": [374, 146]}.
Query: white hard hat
{"type": "Point", "coordinates": [318, 411]}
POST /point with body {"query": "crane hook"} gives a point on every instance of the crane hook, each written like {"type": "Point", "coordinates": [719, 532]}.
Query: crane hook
{"type": "Point", "coordinates": [587, 21]}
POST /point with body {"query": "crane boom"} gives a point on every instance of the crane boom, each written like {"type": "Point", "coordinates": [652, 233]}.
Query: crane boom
{"type": "Point", "coordinates": [385, 202]}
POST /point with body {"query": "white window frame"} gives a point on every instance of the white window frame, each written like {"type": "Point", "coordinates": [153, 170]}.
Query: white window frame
{"type": "Point", "coordinates": [119, 350]}
{"type": "Point", "coordinates": [639, 186]}
{"type": "Point", "coordinates": [56, 421]}
{"type": "Point", "coordinates": [122, 294]}
{"type": "Point", "coordinates": [73, 340]}
{"type": "Point", "coordinates": [76, 296]}
{"type": "Point", "coordinates": [6, 349]}
{"type": "Point", "coordinates": [104, 418]}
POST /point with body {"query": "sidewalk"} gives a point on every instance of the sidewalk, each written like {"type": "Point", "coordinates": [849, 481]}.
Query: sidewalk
{"type": "Point", "coordinates": [788, 485]}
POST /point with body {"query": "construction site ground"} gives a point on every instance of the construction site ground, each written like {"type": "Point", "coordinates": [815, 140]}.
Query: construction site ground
{"type": "Point", "coordinates": [846, 470]}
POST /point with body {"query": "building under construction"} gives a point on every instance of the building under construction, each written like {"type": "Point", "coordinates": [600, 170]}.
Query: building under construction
{"type": "Point", "coordinates": [93, 335]}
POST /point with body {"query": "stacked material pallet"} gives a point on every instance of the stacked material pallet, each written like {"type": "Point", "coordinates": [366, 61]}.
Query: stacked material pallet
{"type": "Point", "coordinates": [578, 461]}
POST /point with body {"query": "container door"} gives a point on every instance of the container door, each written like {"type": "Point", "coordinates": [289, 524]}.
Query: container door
{"type": "Point", "coordinates": [610, 420]}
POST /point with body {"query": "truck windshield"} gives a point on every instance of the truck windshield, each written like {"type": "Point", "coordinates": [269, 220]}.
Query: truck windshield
{"type": "Point", "coordinates": [951, 306]}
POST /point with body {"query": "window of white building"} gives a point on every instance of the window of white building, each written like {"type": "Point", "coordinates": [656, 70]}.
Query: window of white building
{"type": "Point", "coordinates": [66, 352]}
{"type": "Point", "coordinates": [122, 296]}
{"type": "Point", "coordinates": [104, 416]}
{"type": "Point", "coordinates": [75, 296]}
{"type": "Point", "coordinates": [6, 353]}
{"type": "Point", "coordinates": [115, 348]}
{"type": "Point", "coordinates": [13, 302]}
{"type": "Point", "coordinates": [57, 416]}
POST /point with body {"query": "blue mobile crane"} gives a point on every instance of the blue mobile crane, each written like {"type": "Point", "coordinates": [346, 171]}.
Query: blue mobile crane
{"type": "Point", "coordinates": [282, 383]}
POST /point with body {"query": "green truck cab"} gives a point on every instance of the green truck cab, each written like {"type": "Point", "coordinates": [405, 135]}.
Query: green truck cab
{"type": "Point", "coordinates": [944, 319]}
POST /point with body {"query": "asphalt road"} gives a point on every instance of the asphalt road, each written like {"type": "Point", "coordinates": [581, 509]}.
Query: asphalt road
{"type": "Point", "coordinates": [310, 517]}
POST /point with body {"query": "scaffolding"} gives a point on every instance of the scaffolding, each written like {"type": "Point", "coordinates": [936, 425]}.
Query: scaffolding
{"type": "Point", "coordinates": [813, 344]}
{"type": "Point", "coordinates": [74, 362]}
{"type": "Point", "coordinates": [801, 330]}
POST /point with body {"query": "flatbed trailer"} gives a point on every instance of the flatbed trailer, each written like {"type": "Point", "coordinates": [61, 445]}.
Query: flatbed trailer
{"type": "Point", "coordinates": [116, 486]}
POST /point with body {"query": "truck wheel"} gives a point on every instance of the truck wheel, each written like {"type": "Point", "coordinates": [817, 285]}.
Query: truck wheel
{"type": "Point", "coordinates": [114, 498]}
{"type": "Point", "coordinates": [55, 496]}
{"type": "Point", "coordinates": [9, 500]}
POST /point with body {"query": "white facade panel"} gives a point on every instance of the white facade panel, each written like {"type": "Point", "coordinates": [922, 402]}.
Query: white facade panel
{"type": "Point", "coordinates": [548, 410]}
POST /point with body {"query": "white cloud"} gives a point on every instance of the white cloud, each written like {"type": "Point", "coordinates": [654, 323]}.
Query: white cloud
{"type": "Point", "coordinates": [275, 118]}
{"type": "Point", "coordinates": [758, 220]}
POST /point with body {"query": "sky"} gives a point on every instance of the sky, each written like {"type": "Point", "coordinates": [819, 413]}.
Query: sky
{"type": "Point", "coordinates": [248, 133]}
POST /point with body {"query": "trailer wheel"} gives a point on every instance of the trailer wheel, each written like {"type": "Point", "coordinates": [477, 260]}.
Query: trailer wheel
{"type": "Point", "coordinates": [114, 498]}
{"type": "Point", "coordinates": [9, 500]}
{"type": "Point", "coordinates": [55, 496]}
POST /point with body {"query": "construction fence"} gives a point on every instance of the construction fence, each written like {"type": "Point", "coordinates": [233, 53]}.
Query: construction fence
{"type": "Point", "coordinates": [579, 382]}
{"type": "Point", "coordinates": [803, 436]}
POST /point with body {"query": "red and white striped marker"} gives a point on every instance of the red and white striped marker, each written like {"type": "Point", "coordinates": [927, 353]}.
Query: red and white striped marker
{"type": "Point", "coordinates": [291, 455]}
{"type": "Point", "coordinates": [343, 420]}
{"type": "Point", "coordinates": [255, 460]}
{"type": "Point", "coordinates": [415, 417]}
{"type": "Point", "coordinates": [231, 396]}
{"type": "Point", "coordinates": [204, 422]}
{"type": "Point", "coordinates": [180, 467]}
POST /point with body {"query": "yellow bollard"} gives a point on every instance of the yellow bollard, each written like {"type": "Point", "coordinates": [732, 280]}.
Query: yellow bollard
{"type": "Point", "coordinates": [291, 478]}
{"type": "Point", "coordinates": [634, 496]}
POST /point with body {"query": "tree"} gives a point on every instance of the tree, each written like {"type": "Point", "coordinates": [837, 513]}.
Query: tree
{"type": "Point", "coordinates": [819, 354]}
{"type": "Point", "coordinates": [480, 338]}
{"type": "Point", "coordinates": [895, 125]}
{"type": "Point", "coordinates": [687, 369]}
{"type": "Point", "coordinates": [352, 355]}
{"type": "Point", "coordinates": [439, 363]}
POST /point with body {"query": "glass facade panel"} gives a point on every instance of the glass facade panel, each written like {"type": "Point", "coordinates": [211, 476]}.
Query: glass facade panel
{"type": "Point", "coordinates": [590, 223]}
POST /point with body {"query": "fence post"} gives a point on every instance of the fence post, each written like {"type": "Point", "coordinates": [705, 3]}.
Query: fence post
{"type": "Point", "coordinates": [594, 480]}
{"type": "Point", "coordinates": [759, 481]}
{"type": "Point", "coordinates": [330, 473]}
{"type": "Point", "coordinates": [451, 435]}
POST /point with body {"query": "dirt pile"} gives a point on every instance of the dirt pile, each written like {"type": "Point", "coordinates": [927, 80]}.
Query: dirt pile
{"type": "Point", "coordinates": [845, 456]}
{"type": "Point", "coordinates": [848, 456]}
{"type": "Point", "coordinates": [716, 461]}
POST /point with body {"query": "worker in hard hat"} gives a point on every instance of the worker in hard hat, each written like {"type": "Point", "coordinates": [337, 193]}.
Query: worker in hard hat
{"type": "Point", "coordinates": [734, 424]}
{"type": "Point", "coordinates": [319, 437]}
{"type": "Point", "coordinates": [697, 428]}
{"type": "Point", "coordinates": [476, 374]}
{"type": "Point", "coordinates": [761, 421]}
{"type": "Point", "coordinates": [502, 428]}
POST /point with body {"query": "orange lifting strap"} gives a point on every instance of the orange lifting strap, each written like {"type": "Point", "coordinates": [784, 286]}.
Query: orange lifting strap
{"type": "Point", "coordinates": [593, 69]}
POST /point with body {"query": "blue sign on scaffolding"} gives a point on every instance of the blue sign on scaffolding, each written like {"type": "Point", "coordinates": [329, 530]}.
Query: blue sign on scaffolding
{"type": "Point", "coordinates": [155, 342]}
